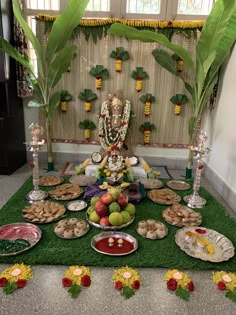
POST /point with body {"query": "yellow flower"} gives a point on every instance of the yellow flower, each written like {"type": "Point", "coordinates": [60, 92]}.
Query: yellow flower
{"type": "Point", "coordinates": [181, 277]}
{"type": "Point", "coordinates": [16, 272]}
{"type": "Point", "coordinates": [126, 275]}
{"type": "Point", "coordinates": [75, 273]}
{"type": "Point", "coordinates": [228, 278]}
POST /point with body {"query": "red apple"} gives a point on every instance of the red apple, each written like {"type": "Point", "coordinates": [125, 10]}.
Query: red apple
{"type": "Point", "coordinates": [100, 208]}
{"type": "Point", "coordinates": [104, 221]}
{"type": "Point", "coordinates": [107, 198]}
{"type": "Point", "coordinates": [122, 200]}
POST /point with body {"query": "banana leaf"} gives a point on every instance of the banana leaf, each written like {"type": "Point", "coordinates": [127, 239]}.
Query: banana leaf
{"type": "Point", "coordinates": [165, 60]}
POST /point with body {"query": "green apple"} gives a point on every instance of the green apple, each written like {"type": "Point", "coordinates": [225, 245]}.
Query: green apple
{"type": "Point", "coordinates": [93, 200]}
{"type": "Point", "coordinates": [115, 218]}
{"type": "Point", "coordinates": [114, 207]}
{"type": "Point", "coordinates": [130, 208]}
{"type": "Point", "coordinates": [126, 216]}
{"type": "Point", "coordinates": [90, 210]}
{"type": "Point", "coordinates": [94, 217]}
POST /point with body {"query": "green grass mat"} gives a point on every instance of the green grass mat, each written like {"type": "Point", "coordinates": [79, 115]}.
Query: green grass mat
{"type": "Point", "coordinates": [159, 253]}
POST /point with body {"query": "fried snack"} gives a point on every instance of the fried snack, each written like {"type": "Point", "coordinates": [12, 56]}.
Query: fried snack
{"type": "Point", "coordinates": [50, 180]}
{"type": "Point", "coordinates": [163, 196]}
{"type": "Point", "coordinates": [66, 192]}
{"type": "Point", "coordinates": [71, 228]}
{"type": "Point", "coordinates": [151, 229]}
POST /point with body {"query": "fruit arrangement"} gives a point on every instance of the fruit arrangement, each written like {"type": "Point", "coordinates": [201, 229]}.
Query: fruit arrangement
{"type": "Point", "coordinates": [112, 210]}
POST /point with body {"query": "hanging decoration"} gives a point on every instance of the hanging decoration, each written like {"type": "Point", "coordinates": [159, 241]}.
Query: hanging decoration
{"type": "Point", "coordinates": [178, 100]}
{"type": "Point", "coordinates": [88, 126]}
{"type": "Point", "coordinates": [127, 280]}
{"type": "Point", "coordinates": [120, 55]}
{"type": "Point", "coordinates": [147, 99]}
{"type": "Point", "coordinates": [87, 96]}
{"type": "Point", "coordinates": [15, 277]}
{"type": "Point", "coordinates": [226, 281]}
{"type": "Point", "coordinates": [65, 97]}
{"type": "Point", "coordinates": [146, 128]}
{"type": "Point", "coordinates": [139, 75]}
{"type": "Point", "coordinates": [179, 62]}
{"type": "Point", "coordinates": [97, 28]}
{"type": "Point", "coordinates": [180, 283]}
{"type": "Point", "coordinates": [76, 277]}
{"type": "Point", "coordinates": [100, 73]}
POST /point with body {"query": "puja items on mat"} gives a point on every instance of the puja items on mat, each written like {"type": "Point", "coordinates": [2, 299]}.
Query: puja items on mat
{"type": "Point", "coordinates": [181, 216]}
{"type": "Point", "coordinates": [43, 212]}
{"type": "Point", "coordinates": [152, 229]}
{"type": "Point", "coordinates": [66, 192]}
{"type": "Point", "coordinates": [163, 196]}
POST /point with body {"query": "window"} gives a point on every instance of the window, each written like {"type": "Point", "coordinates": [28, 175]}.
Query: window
{"type": "Point", "coordinates": [143, 6]}
{"type": "Point", "coordinates": [194, 7]}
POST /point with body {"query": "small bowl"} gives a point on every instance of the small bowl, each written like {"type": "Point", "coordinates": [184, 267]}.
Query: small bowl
{"type": "Point", "coordinates": [76, 205]}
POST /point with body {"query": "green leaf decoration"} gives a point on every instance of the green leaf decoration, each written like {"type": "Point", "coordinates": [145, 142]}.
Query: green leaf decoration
{"type": "Point", "coordinates": [127, 292]}
{"type": "Point", "coordinates": [147, 125]}
{"type": "Point", "coordinates": [9, 287]}
{"type": "Point", "coordinates": [175, 57]}
{"type": "Point", "coordinates": [99, 71]}
{"type": "Point", "coordinates": [87, 95]}
{"type": "Point", "coordinates": [139, 73]}
{"type": "Point", "coordinates": [120, 52]}
{"type": "Point", "coordinates": [146, 97]}
{"type": "Point", "coordinates": [65, 96]}
{"type": "Point", "coordinates": [165, 60]}
{"type": "Point", "coordinates": [182, 293]}
{"type": "Point", "coordinates": [74, 290]}
{"type": "Point", "coordinates": [231, 295]}
{"type": "Point", "coordinates": [87, 124]}
{"type": "Point", "coordinates": [179, 99]}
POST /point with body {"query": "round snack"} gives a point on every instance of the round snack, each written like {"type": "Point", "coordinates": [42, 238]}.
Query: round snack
{"type": "Point", "coordinates": [71, 228]}
{"type": "Point", "coordinates": [152, 229]}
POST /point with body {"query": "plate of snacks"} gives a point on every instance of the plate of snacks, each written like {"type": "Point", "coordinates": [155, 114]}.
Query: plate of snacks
{"type": "Point", "coordinates": [181, 216]}
{"type": "Point", "coordinates": [66, 192]}
{"type": "Point", "coordinates": [151, 183]}
{"type": "Point", "coordinates": [71, 228]}
{"type": "Point", "coordinates": [16, 238]}
{"type": "Point", "coordinates": [163, 196]}
{"type": "Point", "coordinates": [178, 185]}
{"type": "Point", "coordinates": [82, 180]}
{"type": "Point", "coordinates": [50, 180]}
{"type": "Point", "coordinates": [151, 229]}
{"type": "Point", "coordinates": [76, 205]}
{"type": "Point", "coordinates": [204, 244]}
{"type": "Point", "coordinates": [43, 212]}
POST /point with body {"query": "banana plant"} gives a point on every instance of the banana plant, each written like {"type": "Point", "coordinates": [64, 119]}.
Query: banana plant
{"type": "Point", "coordinates": [139, 75]}
{"type": "Point", "coordinates": [87, 96]}
{"type": "Point", "coordinates": [51, 64]}
{"type": "Point", "coordinates": [87, 125]}
{"type": "Point", "coordinates": [178, 100]}
{"type": "Point", "coordinates": [100, 73]}
{"type": "Point", "coordinates": [120, 55]}
{"type": "Point", "coordinates": [146, 128]}
{"type": "Point", "coordinates": [147, 99]}
{"type": "Point", "coordinates": [214, 45]}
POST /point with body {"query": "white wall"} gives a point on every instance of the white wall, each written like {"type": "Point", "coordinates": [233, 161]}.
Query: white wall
{"type": "Point", "coordinates": [221, 127]}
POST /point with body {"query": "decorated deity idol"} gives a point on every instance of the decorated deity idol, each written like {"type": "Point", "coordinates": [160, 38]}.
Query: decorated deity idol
{"type": "Point", "coordinates": [113, 124]}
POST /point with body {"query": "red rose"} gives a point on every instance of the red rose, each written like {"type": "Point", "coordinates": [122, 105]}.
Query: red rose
{"type": "Point", "coordinates": [118, 285]}
{"type": "Point", "coordinates": [85, 281]}
{"type": "Point", "coordinates": [21, 283]}
{"type": "Point", "coordinates": [136, 284]}
{"type": "Point", "coordinates": [191, 286]}
{"type": "Point", "coordinates": [221, 286]}
{"type": "Point", "coordinates": [66, 282]}
{"type": "Point", "coordinates": [200, 231]}
{"type": "Point", "coordinates": [3, 281]}
{"type": "Point", "coordinates": [172, 284]}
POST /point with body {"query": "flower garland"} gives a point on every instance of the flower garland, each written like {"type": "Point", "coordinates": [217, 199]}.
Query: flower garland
{"type": "Point", "coordinates": [226, 282]}
{"type": "Point", "coordinates": [180, 283]}
{"type": "Point", "coordinates": [15, 277]}
{"type": "Point", "coordinates": [127, 281]}
{"type": "Point", "coordinates": [104, 126]}
{"type": "Point", "coordinates": [75, 277]}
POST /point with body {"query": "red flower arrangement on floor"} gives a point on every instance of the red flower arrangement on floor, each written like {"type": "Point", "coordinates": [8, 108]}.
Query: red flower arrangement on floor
{"type": "Point", "coordinates": [74, 278]}
{"type": "Point", "coordinates": [127, 281]}
{"type": "Point", "coordinates": [15, 277]}
{"type": "Point", "coordinates": [180, 283]}
{"type": "Point", "coordinates": [226, 281]}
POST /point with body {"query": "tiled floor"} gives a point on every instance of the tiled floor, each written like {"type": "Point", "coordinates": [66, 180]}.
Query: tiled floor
{"type": "Point", "coordinates": [45, 295]}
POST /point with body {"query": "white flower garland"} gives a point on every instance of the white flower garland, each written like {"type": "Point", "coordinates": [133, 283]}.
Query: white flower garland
{"type": "Point", "coordinates": [104, 126]}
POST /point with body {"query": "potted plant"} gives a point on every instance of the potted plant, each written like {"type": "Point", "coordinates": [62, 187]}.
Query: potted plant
{"type": "Point", "coordinates": [51, 64]}
{"type": "Point", "coordinates": [65, 97]}
{"type": "Point", "coordinates": [216, 40]}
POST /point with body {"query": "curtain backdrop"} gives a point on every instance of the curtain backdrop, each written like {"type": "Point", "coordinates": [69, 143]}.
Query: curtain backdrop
{"type": "Point", "coordinates": [171, 130]}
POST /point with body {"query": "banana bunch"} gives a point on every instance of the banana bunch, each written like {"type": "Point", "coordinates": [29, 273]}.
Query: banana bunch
{"type": "Point", "coordinates": [79, 169]}
{"type": "Point", "coordinates": [104, 186]}
{"type": "Point", "coordinates": [124, 185]}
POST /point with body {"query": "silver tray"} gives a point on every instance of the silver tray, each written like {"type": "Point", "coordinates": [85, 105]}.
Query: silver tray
{"type": "Point", "coordinates": [224, 249]}
{"type": "Point", "coordinates": [114, 235]}
{"type": "Point", "coordinates": [151, 183]}
{"type": "Point", "coordinates": [73, 237]}
{"type": "Point", "coordinates": [58, 178]}
{"type": "Point", "coordinates": [26, 231]}
{"type": "Point", "coordinates": [178, 185]}
{"type": "Point", "coordinates": [76, 205]}
{"type": "Point", "coordinates": [109, 227]}
{"type": "Point", "coordinates": [82, 180]}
